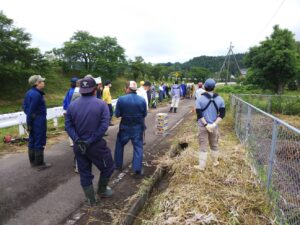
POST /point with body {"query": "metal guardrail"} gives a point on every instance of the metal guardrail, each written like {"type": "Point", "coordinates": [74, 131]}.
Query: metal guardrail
{"type": "Point", "coordinates": [19, 118]}
{"type": "Point", "coordinates": [274, 147]}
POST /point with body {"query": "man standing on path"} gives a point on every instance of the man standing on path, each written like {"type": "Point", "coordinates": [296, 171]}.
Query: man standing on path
{"type": "Point", "coordinates": [199, 91]}
{"type": "Point", "coordinates": [210, 108]}
{"type": "Point", "coordinates": [133, 110]}
{"type": "Point", "coordinates": [175, 93]}
{"type": "Point", "coordinates": [183, 89]}
{"type": "Point", "coordinates": [68, 99]}
{"type": "Point", "coordinates": [107, 98]}
{"type": "Point", "coordinates": [35, 109]}
{"type": "Point", "coordinates": [142, 91]}
{"type": "Point", "coordinates": [87, 120]}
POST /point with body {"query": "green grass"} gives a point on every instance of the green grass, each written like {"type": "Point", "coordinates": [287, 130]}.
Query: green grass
{"type": "Point", "coordinates": [56, 87]}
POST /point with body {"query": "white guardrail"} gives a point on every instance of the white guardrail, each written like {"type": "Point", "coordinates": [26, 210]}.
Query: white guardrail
{"type": "Point", "coordinates": [19, 118]}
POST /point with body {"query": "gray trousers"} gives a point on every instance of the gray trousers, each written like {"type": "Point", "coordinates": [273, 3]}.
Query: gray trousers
{"type": "Point", "coordinates": [206, 138]}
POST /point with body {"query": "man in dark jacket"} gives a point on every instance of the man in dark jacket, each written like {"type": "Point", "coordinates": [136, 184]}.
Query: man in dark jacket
{"type": "Point", "coordinates": [87, 120]}
{"type": "Point", "coordinates": [69, 94]}
{"type": "Point", "coordinates": [35, 109]}
{"type": "Point", "coordinates": [133, 110]}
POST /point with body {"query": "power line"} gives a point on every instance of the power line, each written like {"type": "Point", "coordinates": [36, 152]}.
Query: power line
{"type": "Point", "coordinates": [267, 25]}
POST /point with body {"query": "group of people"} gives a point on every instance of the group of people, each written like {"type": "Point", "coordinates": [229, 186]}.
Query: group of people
{"type": "Point", "coordinates": [88, 115]}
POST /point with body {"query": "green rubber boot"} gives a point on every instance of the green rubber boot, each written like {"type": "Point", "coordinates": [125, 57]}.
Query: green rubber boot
{"type": "Point", "coordinates": [103, 190]}
{"type": "Point", "coordinates": [90, 195]}
{"type": "Point", "coordinates": [39, 160]}
{"type": "Point", "coordinates": [31, 156]}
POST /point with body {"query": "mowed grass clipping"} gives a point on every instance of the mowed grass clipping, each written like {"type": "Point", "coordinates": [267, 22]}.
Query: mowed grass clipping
{"type": "Point", "coordinates": [227, 194]}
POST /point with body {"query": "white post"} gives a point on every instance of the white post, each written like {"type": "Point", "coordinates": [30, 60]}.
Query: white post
{"type": "Point", "coordinates": [55, 122]}
{"type": "Point", "coordinates": [21, 130]}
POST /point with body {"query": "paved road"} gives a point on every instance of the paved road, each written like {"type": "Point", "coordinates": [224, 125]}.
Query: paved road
{"type": "Point", "coordinates": [29, 197]}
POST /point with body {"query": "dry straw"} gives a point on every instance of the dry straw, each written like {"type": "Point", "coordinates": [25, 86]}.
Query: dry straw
{"type": "Point", "coordinates": [227, 194]}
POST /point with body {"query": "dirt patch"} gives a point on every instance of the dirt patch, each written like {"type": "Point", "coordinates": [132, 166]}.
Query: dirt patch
{"type": "Point", "coordinates": [227, 194]}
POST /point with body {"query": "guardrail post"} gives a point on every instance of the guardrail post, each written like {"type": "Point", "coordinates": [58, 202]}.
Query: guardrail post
{"type": "Point", "coordinates": [272, 153]}
{"type": "Point", "coordinates": [55, 122]}
{"type": "Point", "coordinates": [21, 129]}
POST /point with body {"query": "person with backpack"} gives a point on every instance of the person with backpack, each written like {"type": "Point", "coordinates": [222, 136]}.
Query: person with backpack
{"type": "Point", "coordinates": [210, 109]}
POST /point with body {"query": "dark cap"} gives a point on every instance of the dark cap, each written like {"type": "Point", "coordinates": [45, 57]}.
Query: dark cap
{"type": "Point", "coordinates": [209, 84]}
{"type": "Point", "coordinates": [147, 84]}
{"type": "Point", "coordinates": [107, 82]}
{"type": "Point", "coordinates": [74, 80]}
{"type": "Point", "coordinates": [87, 85]}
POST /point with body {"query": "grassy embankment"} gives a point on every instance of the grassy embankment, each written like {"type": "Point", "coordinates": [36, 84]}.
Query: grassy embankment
{"type": "Point", "coordinates": [227, 194]}
{"type": "Point", "coordinates": [56, 86]}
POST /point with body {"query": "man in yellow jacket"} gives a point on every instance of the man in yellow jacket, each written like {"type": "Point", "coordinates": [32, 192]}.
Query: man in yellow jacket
{"type": "Point", "coordinates": [107, 98]}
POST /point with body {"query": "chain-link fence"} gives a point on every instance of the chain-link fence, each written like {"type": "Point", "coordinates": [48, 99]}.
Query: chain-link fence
{"type": "Point", "coordinates": [283, 104]}
{"type": "Point", "coordinates": [274, 147]}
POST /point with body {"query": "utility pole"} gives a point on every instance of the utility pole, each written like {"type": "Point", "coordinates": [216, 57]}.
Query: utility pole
{"type": "Point", "coordinates": [227, 60]}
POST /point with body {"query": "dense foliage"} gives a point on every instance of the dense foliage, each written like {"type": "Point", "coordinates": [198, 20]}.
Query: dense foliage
{"type": "Point", "coordinates": [17, 59]}
{"type": "Point", "coordinates": [274, 62]}
{"type": "Point", "coordinates": [89, 54]}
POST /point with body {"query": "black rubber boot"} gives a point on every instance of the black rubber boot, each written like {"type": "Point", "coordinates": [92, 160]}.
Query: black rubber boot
{"type": "Point", "coordinates": [171, 109]}
{"type": "Point", "coordinates": [175, 110]}
{"type": "Point", "coordinates": [90, 195]}
{"type": "Point", "coordinates": [103, 190]}
{"type": "Point", "coordinates": [31, 156]}
{"type": "Point", "coordinates": [39, 160]}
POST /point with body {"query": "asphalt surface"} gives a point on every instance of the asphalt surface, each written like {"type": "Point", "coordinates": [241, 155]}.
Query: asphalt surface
{"type": "Point", "coordinates": [31, 197]}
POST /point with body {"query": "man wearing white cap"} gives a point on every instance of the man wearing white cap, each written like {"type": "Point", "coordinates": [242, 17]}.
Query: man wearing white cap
{"type": "Point", "coordinates": [133, 110]}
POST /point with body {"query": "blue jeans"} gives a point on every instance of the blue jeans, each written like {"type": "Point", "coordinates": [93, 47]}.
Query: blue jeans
{"type": "Point", "coordinates": [111, 112]}
{"type": "Point", "coordinates": [135, 134]}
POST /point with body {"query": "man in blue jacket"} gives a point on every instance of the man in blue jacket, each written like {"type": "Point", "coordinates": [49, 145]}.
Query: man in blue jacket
{"type": "Point", "coordinates": [133, 110]}
{"type": "Point", "coordinates": [68, 99]}
{"type": "Point", "coordinates": [87, 120]}
{"type": "Point", "coordinates": [69, 94]}
{"type": "Point", "coordinates": [35, 109]}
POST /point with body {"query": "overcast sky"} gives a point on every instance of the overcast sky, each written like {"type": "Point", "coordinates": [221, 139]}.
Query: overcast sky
{"type": "Point", "coordinates": [157, 30]}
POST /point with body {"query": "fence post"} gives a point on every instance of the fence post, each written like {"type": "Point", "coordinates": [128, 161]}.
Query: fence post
{"type": "Point", "coordinates": [248, 123]}
{"type": "Point", "coordinates": [21, 129]}
{"type": "Point", "coordinates": [269, 104]}
{"type": "Point", "coordinates": [55, 122]}
{"type": "Point", "coordinates": [272, 153]}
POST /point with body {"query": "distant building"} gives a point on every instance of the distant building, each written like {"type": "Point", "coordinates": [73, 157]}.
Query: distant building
{"type": "Point", "coordinates": [243, 72]}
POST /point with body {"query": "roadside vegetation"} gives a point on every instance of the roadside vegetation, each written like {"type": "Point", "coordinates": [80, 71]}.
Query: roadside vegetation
{"type": "Point", "coordinates": [228, 194]}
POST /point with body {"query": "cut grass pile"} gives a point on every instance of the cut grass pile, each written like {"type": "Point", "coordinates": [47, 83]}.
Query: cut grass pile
{"type": "Point", "coordinates": [227, 194]}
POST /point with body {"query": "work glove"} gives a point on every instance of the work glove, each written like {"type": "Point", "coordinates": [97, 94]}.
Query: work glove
{"type": "Point", "coordinates": [211, 127]}
{"type": "Point", "coordinates": [82, 146]}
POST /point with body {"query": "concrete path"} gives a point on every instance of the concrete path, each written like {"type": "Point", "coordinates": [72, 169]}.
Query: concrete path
{"type": "Point", "coordinates": [31, 197]}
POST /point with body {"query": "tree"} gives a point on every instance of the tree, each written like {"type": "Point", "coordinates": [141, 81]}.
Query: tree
{"type": "Point", "coordinates": [89, 54]}
{"type": "Point", "coordinates": [199, 72]}
{"type": "Point", "coordinates": [137, 67]}
{"type": "Point", "coordinates": [273, 62]}
{"type": "Point", "coordinates": [17, 59]}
